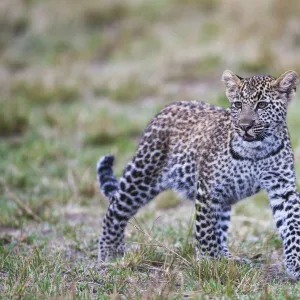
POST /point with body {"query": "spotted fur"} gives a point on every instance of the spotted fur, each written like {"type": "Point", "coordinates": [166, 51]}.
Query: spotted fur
{"type": "Point", "coordinates": [215, 157]}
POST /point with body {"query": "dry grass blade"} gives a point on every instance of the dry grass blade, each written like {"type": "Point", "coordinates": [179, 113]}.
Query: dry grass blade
{"type": "Point", "coordinates": [159, 244]}
{"type": "Point", "coordinates": [22, 205]}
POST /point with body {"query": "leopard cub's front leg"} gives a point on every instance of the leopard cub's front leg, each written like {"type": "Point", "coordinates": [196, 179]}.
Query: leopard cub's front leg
{"type": "Point", "coordinates": [285, 203]}
{"type": "Point", "coordinates": [211, 226]}
{"type": "Point", "coordinates": [290, 232]}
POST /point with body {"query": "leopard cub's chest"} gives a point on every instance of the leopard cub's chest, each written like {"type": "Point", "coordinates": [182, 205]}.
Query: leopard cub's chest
{"type": "Point", "coordinates": [238, 180]}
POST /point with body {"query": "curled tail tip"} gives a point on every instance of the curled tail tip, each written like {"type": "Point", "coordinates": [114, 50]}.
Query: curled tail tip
{"type": "Point", "coordinates": [107, 181]}
{"type": "Point", "coordinates": [105, 161]}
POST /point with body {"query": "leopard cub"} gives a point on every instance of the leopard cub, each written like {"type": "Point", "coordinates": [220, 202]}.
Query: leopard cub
{"type": "Point", "coordinates": [215, 157]}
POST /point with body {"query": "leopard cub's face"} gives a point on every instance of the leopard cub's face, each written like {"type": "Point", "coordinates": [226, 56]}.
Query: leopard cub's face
{"type": "Point", "coordinates": [259, 103]}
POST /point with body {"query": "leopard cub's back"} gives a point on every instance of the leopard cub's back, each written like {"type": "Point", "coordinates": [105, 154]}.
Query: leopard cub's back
{"type": "Point", "coordinates": [178, 136]}
{"type": "Point", "coordinates": [187, 120]}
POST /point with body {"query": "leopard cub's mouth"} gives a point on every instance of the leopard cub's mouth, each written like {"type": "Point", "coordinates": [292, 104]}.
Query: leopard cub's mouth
{"type": "Point", "coordinates": [249, 138]}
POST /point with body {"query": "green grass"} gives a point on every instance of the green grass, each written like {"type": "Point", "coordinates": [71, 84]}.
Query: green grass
{"type": "Point", "coordinates": [132, 89]}
{"type": "Point", "coordinates": [13, 118]}
{"type": "Point", "coordinates": [98, 16]}
{"type": "Point", "coordinates": [85, 81]}
{"type": "Point", "coordinates": [167, 200]}
{"type": "Point", "coordinates": [38, 93]}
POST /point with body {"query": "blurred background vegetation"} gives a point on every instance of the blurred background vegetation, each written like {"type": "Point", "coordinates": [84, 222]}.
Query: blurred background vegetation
{"type": "Point", "coordinates": [79, 79]}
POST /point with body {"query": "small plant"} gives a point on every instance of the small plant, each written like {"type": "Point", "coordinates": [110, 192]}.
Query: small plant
{"type": "Point", "coordinates": [14, 119]}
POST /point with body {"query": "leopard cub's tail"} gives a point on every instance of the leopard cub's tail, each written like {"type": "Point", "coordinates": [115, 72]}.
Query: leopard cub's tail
{"type": "Point", "coordinates": [108, 183]}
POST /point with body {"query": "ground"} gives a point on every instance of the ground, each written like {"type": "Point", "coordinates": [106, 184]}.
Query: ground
{"type": "Point", "coordinates": [80, 79]}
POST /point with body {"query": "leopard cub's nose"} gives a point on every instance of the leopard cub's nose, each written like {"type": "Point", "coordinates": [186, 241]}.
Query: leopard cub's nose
{"type": "Point", "coordinates": [246, 124]}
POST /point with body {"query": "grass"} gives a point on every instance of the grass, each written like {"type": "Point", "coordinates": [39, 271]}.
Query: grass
{"type": "Point", "coordinates": [85, 82]}
{"type": "Point", "coordinates": [132, 89]}
{"type": "Point", "coordinates": [167, 200]}
{"type": "Point", "coordinates": [13, 118]}
{"type": "Point", "coordinates": [98, 16]}
{"type": "Point", "coordinates": [189, 71]}
{"type": "Point", "coordinates": [204, 5]}
{"type": "Point", "coordinates": [38, 93]}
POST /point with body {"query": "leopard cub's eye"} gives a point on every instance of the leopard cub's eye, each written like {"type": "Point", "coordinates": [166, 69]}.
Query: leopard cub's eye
{"type": "Point", "coordinates": [238, 104]}
{"type": "Point", "coordinates": [261, 104]}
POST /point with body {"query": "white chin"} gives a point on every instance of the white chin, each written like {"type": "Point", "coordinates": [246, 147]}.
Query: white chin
{"type": "Point", "coordinates": [251, 144]}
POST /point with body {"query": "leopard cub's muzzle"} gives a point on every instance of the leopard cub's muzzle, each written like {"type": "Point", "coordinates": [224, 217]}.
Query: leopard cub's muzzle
{"type": "Point", "coordinates": [246, 130]}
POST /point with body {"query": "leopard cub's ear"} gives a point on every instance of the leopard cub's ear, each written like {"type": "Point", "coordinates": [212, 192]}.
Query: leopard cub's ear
{"type": "Point", "coordinates": [286, 84]}
{"type": "Point", "coordinates": [232, 83]}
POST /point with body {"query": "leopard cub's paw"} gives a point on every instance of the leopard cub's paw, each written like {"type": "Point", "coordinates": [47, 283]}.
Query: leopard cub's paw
{"type": "Point", "coordinates": [108, 252]}
{"type": "Point", "coordinates": [293, 270]}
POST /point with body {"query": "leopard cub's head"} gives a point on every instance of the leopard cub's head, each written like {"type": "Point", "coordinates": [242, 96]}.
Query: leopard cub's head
{"type": "Point", "coordinates": [259, 103]}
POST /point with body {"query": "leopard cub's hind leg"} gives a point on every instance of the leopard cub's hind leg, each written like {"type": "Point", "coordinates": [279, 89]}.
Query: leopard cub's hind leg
{"type": "Point", "coordinates": [140, 183]}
